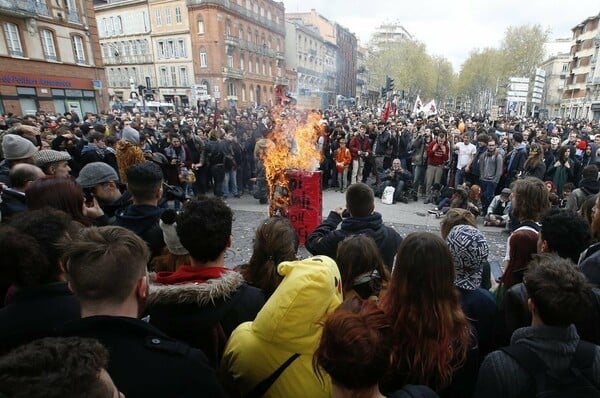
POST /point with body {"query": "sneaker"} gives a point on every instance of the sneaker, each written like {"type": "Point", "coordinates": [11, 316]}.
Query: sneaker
{"type": "Point", "coordinates": [433, 211]}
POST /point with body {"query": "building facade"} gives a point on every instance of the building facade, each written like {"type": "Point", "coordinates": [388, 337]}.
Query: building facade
{"type": "Point", "coordinates": [127, 52]}
{"type": "Point", "coordinates": [50, 58]}
{"type": "Point", "coordinates": [389, 32]}
{"type": "Point", "coordinates": [239, 47]}
{"type": "Point", "coordinates": [581, 97]}
{"type": "Point", "coordinates": [172, 46]}
{"type": "Point", "coordinates": [556, 68]}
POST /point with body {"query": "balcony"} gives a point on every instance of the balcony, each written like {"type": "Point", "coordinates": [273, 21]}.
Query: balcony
{"type": "Point", "coordinates": [232, 40]}
{"type": "Point", "coordinates": [128, 60]}
{"type": "Point", "coordinates": [233, 73]}
{"type": "Point", "coordinates": [23, 8]}
{"type": "Point", "coordinates": [279, 55]}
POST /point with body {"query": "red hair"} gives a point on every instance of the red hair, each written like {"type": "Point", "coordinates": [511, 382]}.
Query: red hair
{"type": "Point", "coordinates": [523, 245]}
{"type": "Point", "coordinates": [430, 330]}
{"type": "Point", "coordinates": [355, 346]}
{"type": "Point", "coordinates": [59, 193]}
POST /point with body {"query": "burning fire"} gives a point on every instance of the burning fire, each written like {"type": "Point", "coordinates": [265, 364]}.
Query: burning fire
{"type": "Point", "coordinates": [294, 146]}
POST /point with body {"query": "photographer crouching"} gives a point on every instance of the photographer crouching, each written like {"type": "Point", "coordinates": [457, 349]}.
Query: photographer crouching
{"type": "Point", "coordinates": [398, 178]}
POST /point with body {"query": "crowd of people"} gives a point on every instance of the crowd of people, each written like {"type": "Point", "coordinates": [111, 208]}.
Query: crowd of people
{"type": "Point", "coordinates": [113, 277]}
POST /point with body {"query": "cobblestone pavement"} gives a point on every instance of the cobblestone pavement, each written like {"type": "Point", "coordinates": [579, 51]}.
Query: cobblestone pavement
{"type": "Point", "coordinates": [248, 215]}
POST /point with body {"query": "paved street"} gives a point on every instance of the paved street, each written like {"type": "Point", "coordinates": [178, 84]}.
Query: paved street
{"type": "Point", "coordinates": [405, 218]}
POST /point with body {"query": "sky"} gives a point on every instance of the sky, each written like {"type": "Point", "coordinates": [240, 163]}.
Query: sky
{"type": "Point", "coordinates": [452, 28]}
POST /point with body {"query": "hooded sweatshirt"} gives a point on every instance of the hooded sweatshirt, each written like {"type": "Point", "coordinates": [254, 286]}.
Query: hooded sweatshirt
{"type": "Point", "coordinates": [288, 323]}
{"type": "Point", "coordinates": [144, 221]}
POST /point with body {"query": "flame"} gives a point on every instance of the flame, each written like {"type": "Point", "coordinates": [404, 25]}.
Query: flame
{"type": "Point", "coordinates": [293, 145]}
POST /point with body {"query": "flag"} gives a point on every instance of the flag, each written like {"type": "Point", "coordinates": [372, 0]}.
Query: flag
{"type": "Point", "coordinates": [418, 105]}
{"type": "Point", "coordinates": [386, 111]}
{"type": "Point", "coordinates": [430, 109]}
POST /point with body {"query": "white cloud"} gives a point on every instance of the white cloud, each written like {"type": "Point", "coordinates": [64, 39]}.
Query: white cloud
{"type": "Point", "coordinates": [452, 28]}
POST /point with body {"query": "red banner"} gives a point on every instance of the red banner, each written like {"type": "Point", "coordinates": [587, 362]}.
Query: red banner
{"type": "Point", "coordinates": [306, 204]}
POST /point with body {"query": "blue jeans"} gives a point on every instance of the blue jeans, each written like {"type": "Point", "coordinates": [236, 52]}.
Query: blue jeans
{"type": "Point", "coordinates": [459, 177]}
{"type": "Point", "coordinates": [488, 189]}
{"type": "Point", "coordinates": [230, 181]}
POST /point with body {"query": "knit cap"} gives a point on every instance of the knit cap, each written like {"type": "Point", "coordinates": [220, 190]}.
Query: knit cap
{"type": "Point", "coordinates": [96, 173]}
{"type": "Point", "coordinates": [469, 250]}
{"type": "Point", "coordinates": [49, 156]}
{"type": "Point", "coordinates": [16, 147]}
{"type": "Point", "coordinates": [169, 228]}
{"type": "Point", "coordinates": [131, 135]}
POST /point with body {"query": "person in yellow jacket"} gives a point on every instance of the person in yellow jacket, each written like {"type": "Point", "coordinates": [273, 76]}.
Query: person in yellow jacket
{"type": "Point", "coordinates": [286, 331]}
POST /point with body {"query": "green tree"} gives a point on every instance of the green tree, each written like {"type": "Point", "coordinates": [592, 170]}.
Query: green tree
{"type": "Point", "coordinates": [480, 77]}
{"type": "Point", "coordinates": [523, 49]}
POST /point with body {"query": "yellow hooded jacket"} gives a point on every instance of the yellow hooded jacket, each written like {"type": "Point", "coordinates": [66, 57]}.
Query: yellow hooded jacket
{"type": "Point", "coordinates": [289, 322]}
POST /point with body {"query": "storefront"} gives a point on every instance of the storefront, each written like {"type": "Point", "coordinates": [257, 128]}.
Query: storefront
{"type": "Point", "coordinates": [22, 94]}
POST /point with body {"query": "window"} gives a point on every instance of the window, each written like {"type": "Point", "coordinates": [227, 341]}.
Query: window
{"type": "Point", "coordinates": [168, 16]}
{"type": "Point", "coordinates": [244, 93]}
{"type": "Point", "coordinates": [264, 70]}
{"type": "Point", "coordinates": [270, 70]}
{"type": "Point", "coordinates": [173, 76]}
{"type": "Point", "coordinates": [48, 44]}
{"type": "Point", "coordinates": [164, 76]}
{"type": "Point", "coordinates": [181, 48]}
{"type": "Point", "coordinates": [241, 62]}
{"type": "Point", "coordinates": [250, 65]}
{"type": "Point", "coordinates": [251, 94]}
{"type": "Point", "coordinates": [200, 27]}
{"type": "Point", "coordinates": [230, 60]}
{"type": "Point", "coordinates": [170, 49]}
{"type": "Point", "coordinates": [231, 89]}
{"type": "Point", "coordinates": [161, 49]}
{"type": "Point", "coordinates": [78, 50]}
{"type": "Point", "coordinates": [158, 18]}
{"type": "Point", "coordinates": [118, 25]}
{"type": "Point", "coordinates": [241, 32]}
{"type": "Point", "coordinates": [262, 11]}
{"type": "Point", "coordinates": [183, 76]}
{"type": "Point", "coordinates": [145, 20]}
{"type": "Point", "coordinates": [178, 15]}
{"type": "Point", "coordinates": [257, 69]}
{"type": "Point", "coordinates": [228, 27]}
{"type": "Point", "coordinates": [104, 27]}
{"type": "Point", "coordinates": [134, 47]}
{"type": "Point", "coordinates": [13, 40]}
{"type": "Point", "coordinates": [203, 58]}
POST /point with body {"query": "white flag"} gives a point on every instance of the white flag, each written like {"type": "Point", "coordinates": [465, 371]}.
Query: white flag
{"type": "Point", "coordinates": [430, 108]}
{"type": "Point", "coordinates": [418, 106]}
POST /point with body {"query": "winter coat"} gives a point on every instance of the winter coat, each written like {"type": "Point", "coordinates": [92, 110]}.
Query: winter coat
{"type": "Point", "coordinates": [343, 158]}
{"type": "Point", "coordinates": [587, 187]}
{"type": "Point", "coordinates": [419, 147]}
{"type": "Point", "coordinates": [202, 306]}
{"type": "Point", "coordinates": [146, 363]}
{"type": "Point", "coordinates": [143, 220]}
{"type": "Point", "coordinates": [290, 322]}
{"type": "Point", "coordinates": [324, 240]}
{"type": "Point", "coordinates": [359, 143]}
{"type": "Point", "coordinates": [36, 312]}
{"type": "Point", "coordinates": [501, 376]}
{"type": "Point", "coordinates": [128, 154]}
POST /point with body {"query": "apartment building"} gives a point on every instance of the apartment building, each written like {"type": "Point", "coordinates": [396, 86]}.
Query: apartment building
{"type": "Point", "coordinates": [238, 50]}
{"type": "Point", "coordinates": [50, 58]}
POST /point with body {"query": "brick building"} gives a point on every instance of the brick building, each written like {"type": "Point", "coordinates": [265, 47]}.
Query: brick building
{"type": "Point", "coordinates": [50, 57]}
{"type": "Point", "coordinates": [238, 48]}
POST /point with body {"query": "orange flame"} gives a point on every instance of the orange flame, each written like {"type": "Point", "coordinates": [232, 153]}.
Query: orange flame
{"type": "Point", "coordinates": [293, 146]}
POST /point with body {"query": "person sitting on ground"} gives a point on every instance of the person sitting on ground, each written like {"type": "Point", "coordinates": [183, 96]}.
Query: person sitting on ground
{"type": "Point", "coordinates": [101, 181]}
{"type": "Point", "coordinates": [360, 218]}
{"type": "Point", "coordinates": [106, 269]}
{"type": "Point", "coordinates": [39, 300]}
{"type": "Point", "coordinates": [498, 211]}
{"type": "Point", "coordinates": [422, 287]}
{"type": "Point", "coordinates": [470, 250]}
{"type": "Point", "coordinates": [145, 183]}
{"type": "Point", "coordinates": [13, 201]}
{"type": "Point", "coordinates": [363, 272]}
{"type": "Point", "coordinates": [397, 178]}
{"type": "Point", "coordinates": [275, 241]}
{"type": "Point", "coordinates": [558, 296]}
{"type": "Point", "coordinates": [202, 302]}
{"type": "Point", "coordinates": [56, 368]}
{"type": "Point", "coordinates": [285, 332]}
{"type": "Point", "coordinates": [354, 350]}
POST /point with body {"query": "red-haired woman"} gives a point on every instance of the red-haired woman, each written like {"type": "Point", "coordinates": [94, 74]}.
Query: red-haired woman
{"type": "Point", "coordinates": [63, 194]}
{"type": "Point", "coordinates": [432, 340]}
{"type": "Point", "coordinates": [355, 350]}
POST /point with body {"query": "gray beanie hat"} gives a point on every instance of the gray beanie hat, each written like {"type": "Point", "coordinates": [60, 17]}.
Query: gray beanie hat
{"type": "Point", "coordinates": [16, 147]}
{"type": "Point", "coordinates": [96, 173]}
{"type": "Point", "coordinates": [131, 135]}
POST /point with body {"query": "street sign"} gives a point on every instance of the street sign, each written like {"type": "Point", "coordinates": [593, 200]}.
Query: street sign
{"type": "Point", "coordinates": [216, 92]}
{"type": "Point", "coordinates": [494, 113]}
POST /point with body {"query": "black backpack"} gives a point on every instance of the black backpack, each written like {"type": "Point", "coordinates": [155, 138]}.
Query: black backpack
{"type": "Point", "coordinates": [574, 381]}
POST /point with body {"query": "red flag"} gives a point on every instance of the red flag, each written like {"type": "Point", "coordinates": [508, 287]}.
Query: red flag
{"type": "Point", "coordinates": [386, 111]}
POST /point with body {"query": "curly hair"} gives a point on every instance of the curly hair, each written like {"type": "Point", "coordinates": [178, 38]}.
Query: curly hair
{"type": "Point", "coordinates": [431, 333]}
{"type": "Point", "coordinates": [530, 199]}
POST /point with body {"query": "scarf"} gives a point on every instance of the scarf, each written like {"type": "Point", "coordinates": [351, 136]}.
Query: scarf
{"type": "Point", "coordinates": [188, 274]}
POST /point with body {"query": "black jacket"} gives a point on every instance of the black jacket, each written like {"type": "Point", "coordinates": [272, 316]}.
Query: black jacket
{"type": "Point", "coordinates": [34, 313]}
{"type": "Point", "coordinates": [12, 202]}
{"type": "Point", "coordinates": [143, 220]}
{"type": "Point", "coordinates": [146, 363]}
{"type": "Point", "coordinates": [324, 240]}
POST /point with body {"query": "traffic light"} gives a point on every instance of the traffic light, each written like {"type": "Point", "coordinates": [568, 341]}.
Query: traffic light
{"type": "Point", "coordinates": [149, 95]}
{"type": "Point", "coordinates": [382, 92]}
{"type": "Point", "coordinates": [389, 84]}
{"type": "Point", "coordinates": [141, 89]}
